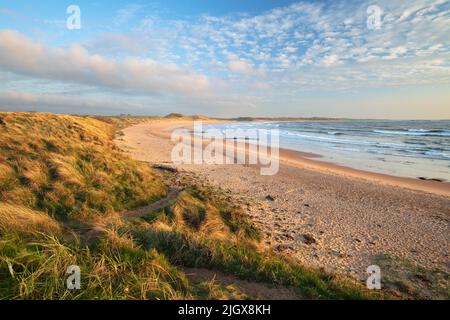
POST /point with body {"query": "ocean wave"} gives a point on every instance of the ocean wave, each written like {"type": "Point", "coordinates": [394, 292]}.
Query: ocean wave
{"type": "Point", "coordinates": [427, 130]}
{"type": "Point", "coordinates": [416, 132]}
{"type": "Point", "coordinates": [397, 140]}
{"type": "Point", "coordinates": [342, 141]}
{"type": "Point", "coordinates": [335, 133]}
{"type": "Point", "coordinates": [438, 154]}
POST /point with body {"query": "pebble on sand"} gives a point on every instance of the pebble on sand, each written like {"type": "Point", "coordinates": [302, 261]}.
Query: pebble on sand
{"type": "Point", "coordinates": [309, 239]}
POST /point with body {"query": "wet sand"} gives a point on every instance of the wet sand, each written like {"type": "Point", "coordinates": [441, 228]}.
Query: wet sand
{"type": "Point", "coordinates": [324, 215]}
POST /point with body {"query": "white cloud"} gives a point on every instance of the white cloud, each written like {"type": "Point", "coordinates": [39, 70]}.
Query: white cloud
{"type": "Point", "coordinates": [239, 66]}
{"type": "Point", "coordinates": [399, 50]}
{"type": "Point", "coordinates": [330, 60]}
{"type": "Point", "coordinates": [290, 41]}
{"type": "Point", "coordinates": [390, 57]}
{"type": "Point", "coordinates": [75, 64]}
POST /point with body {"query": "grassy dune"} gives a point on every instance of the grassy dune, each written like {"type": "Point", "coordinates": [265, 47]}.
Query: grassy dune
{"type": "Point", "coordinates": [63, 188]}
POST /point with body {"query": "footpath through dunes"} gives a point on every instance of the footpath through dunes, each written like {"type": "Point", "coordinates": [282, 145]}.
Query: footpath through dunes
{"type": "Point", "coordinates": [326, 219]}
{"type": "Point", "coordinates": [69, 196]}
{"type": "Point", "coordinates": [142, 211]}
{"type": "Point", "coordinates": [256, 290]}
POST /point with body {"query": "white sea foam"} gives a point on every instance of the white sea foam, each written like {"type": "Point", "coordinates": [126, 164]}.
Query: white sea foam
{"type": "Point", "coordinates": [412, 148]}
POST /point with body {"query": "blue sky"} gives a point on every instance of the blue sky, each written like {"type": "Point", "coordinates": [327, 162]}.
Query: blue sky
{"type": "Point", "coordinates": [228, 58]}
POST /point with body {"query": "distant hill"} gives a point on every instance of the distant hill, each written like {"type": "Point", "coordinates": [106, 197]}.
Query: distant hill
{"type": "Point", "coordinates": [187, 117]}
{"type": "Point", "coordinates": [174, 116]}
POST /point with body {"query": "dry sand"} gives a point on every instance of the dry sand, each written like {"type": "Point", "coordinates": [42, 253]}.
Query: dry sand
{"type": "Point", "coordinates": [324, 215]}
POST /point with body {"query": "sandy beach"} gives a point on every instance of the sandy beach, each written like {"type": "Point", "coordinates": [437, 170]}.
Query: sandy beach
{"type": "Point", "coordinates": [326, 216]}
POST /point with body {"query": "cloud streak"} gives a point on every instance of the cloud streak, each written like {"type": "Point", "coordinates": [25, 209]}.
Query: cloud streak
{"type": "Point", "coordinates": [74, 64]}
{"type": "Point", "coordinates": [24, 101]}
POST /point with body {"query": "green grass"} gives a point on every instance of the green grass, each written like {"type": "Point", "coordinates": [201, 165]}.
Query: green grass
{"type": "Point", "coordinates": [407, 279]}
{"type": "Point", "coordinates": [36, 270]}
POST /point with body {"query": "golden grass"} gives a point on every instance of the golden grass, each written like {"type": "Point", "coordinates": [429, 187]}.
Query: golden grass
{"type": "Point", "coordinates": [21, 220]}
{"type": "Point", "coordinates": [190, 214]}
{"type": "Point", "coordinates": [5, 171]}
{"type": "Point", "coordinates": [69, 166]}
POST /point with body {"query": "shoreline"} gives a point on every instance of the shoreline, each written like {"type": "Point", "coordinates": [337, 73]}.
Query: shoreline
{"type": "Point", "coordinates": [163, 127]}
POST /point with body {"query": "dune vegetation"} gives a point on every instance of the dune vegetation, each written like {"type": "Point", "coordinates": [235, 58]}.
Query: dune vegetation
{"type": "Point", "coordinates": [65, 189]}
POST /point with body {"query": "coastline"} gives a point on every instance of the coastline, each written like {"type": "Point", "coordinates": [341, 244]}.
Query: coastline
{"type": "Point", "coordinates": [322, 215]}
{"type": "Point", "coordinates": [163, 127]}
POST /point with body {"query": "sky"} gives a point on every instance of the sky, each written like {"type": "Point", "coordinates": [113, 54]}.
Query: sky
{"type": "Point", "coordinates": [386, 59]}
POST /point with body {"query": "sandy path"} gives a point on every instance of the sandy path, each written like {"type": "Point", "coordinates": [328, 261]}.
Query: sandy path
{"type": "Point", "coordinates": [142, 211]}
{"type": "Point", "coordinates": [255, 290]}
{"type": "Point", "coordinates": [352, 215]}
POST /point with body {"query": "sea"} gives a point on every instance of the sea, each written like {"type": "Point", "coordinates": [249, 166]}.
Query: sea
{"type": "Point", "coordinates": [415, 149]}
